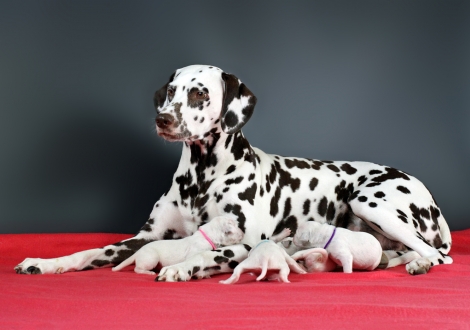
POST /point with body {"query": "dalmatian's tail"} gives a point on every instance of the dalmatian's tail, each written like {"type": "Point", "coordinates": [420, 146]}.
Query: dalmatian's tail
{"type": "Point", "coordinates": [125, 263]}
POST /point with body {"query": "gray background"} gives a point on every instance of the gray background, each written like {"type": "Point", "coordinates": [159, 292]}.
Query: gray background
{"type": "Point", "coordinates": [380, 81]}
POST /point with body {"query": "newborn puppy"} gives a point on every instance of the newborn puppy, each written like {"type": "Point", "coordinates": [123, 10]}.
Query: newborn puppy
{"type": "Point", "coordinates": [217, 232]}
{"type": "Point", "coordinates": [346, 248]}
{"type": "Point", "coordinates": [267, 255]}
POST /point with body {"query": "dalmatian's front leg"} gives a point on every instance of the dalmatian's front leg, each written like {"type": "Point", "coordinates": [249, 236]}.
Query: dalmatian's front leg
{"type": "Point", "coordinates": [205, 264]}
{"type": "Point", "coordinates": [165, 222]}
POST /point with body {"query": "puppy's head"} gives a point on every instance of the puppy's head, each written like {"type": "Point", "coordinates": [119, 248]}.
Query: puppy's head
{"type": "Point", "coordinates": [199, 100]}
{"type": "Point", "coordinates": [223, 231]}
{"type": "Point", "coordinates": [305, 233]}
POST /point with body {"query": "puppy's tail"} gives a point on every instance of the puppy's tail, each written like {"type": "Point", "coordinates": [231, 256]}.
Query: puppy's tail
{"type": "Point", "coordinates": [125, 263]}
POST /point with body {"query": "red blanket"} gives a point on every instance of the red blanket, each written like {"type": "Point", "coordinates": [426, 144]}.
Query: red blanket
{"type": "Point", "coordinates": [98, 299]}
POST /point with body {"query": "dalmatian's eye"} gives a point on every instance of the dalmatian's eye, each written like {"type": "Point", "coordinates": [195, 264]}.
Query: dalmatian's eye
{"type": "Point", "coordinates": [202, 95]}
{"type": "Point", "coordinates": [170, 92]}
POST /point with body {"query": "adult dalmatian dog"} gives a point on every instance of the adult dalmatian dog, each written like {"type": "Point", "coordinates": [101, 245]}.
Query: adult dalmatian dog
{"type": "Point", "coordinates": [221, 174]}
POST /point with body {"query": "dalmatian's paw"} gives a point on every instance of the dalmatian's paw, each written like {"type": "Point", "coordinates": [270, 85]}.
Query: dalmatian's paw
{"type": "Point", "coordinates": [418, 266]}
{"type": "Point", "coordinates": [173, 273]}
{"type": "Point", "coordinates": [39, 266]}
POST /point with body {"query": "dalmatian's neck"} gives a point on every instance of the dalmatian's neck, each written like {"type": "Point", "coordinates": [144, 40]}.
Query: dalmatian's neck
{"type": "Point", "coordinates": [209, 155]}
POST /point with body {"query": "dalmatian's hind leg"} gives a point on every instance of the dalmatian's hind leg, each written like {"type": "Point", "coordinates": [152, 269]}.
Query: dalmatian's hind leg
{"type": "Point", "coordinates": [386, 222]}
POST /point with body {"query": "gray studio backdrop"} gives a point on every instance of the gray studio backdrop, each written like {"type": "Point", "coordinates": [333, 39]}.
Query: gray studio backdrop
{"type": "Point", "coordinates": [380, 81]}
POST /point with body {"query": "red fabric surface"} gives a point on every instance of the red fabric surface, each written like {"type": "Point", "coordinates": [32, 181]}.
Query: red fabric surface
{"type": "Point", "coordinates": [384, 299]}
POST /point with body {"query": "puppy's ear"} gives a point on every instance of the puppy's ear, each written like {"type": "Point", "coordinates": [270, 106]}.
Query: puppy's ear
{"type": "Point", "coordinates": [238, 104]}
{"type": "Point", "coordinates": [160, 96]}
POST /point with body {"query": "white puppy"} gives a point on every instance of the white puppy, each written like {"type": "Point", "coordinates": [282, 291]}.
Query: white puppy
{"type": "Point", "coordinates": [350, 249]}
{"type": "Point", "coordinates": [267, 255]}
{"type": "Point", "coordinates": [217, 232]}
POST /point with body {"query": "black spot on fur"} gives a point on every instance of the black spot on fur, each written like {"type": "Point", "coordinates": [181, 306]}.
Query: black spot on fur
{"type": "Point", "coordinates": [373, 184]}
{"type": "Point", "coordinates": [232, 264]}
{"type": "Point", "coordinates": [362, 199]}
{"type": "Point", "coordinates": [231, 119]}
{"type": "Point", "coordinates": [229, 253]}
{"type": "Point", "coordinates": [354, 195]}
{"type": "Point", "coordinates": [333, 167]}
{"type": "Point", "coordinates": [287, 208]}
{"type": "Point", "coordinates": [437, 242]}
{"type": "Point", "coordinates": [313, 183]}
{"type": "Point", "coordinates": [435, 213]}
{"type": "Point", "coordinates": [361, 180]}
{"type": "Point", "coordinates": [403, 189]}
{"type": "Point", "coordinates": [373, 172]}
{"type": "Point", "coordinates": [415, 211]}
{"type": "Point", "coordinates": [146, 228]}
{"type": "Point", "coordinates": [342, 192]}
{"type": "Point", "coordinates": [237, 210]}
{"type": "Point", "coordinates": [247, 247]}
{"type": "Point", "coordinates": [402, 218]}
{"type": "Point", "coordinates": [272, 175]}
{"type": "Point", "coordinates": [196, 269]}
{"type": "Point", "coordinates": [379, 194]}
{"type": "Point", "coordinates": [251, 177]}
{"type": "Point", "coordinates": [306, 206]}
{"type": "Point", "coordinates": [236, 180]}
{"type": "Point", "coordinates": [330, 213]}
{"type": "Point", "coordinates": [285, 178]}
{"type": "Point", "coordinates": [290, 163]}
{"type": "Point", "coordinates": [348, 168]}
{"type": "Point", "coordinates": [290, 222]}
{"type": "Point", "coordinates": [391, 174]}
{"type": "Point", "coordinates": [220, 259]}
{"type": "Point", "coordinates": [322, 206]}
{"type": "Point", "coordinates": [402, 213]}
{"type": "Point", "coordinates": [317, 164]}
{"type": "Point", "coordinates": [169, 234]}
{"type": "Point", "coordinates": [274, 202]}
{"type": "Point", "coordinates": [109, 252]}
{"type": "Point", "coordinates": [263, 236]}
{"type": "Point", "coordinates": [424, 213]}
{"type": "Point", "coordinates": [249, 194]}
{"type": "Point", "coordinates": [372, 204]}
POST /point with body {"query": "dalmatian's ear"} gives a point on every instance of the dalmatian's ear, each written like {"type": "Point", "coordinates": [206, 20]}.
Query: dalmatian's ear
{"type": "Point", "coordinates": [159, 97]}
{"type": "Point", "coordinates": [238, 104]}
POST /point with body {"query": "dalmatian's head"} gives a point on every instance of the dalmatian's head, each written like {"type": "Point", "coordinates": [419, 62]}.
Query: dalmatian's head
{"type": "Point", "coordinates": [200, 100]}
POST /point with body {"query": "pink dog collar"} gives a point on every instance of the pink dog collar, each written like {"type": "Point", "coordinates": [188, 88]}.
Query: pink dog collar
{"type": "Point", "coordinates": [208, 239]}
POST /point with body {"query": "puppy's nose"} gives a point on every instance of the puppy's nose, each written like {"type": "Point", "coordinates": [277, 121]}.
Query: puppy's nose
{"type": "Point", "coordinates": [164, 120]}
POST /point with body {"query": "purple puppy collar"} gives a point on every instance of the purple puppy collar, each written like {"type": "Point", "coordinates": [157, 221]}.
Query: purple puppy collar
{"type": "Point", "coordinates": [331, 238]}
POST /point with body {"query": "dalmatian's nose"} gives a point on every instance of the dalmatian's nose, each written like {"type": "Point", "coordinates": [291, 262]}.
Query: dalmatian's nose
{"type": "Point", "coordinates": [164, 120]}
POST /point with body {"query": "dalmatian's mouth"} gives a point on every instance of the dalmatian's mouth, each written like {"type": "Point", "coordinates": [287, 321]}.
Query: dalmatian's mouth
{"type": "Point", "coordinates": [176, 137]}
